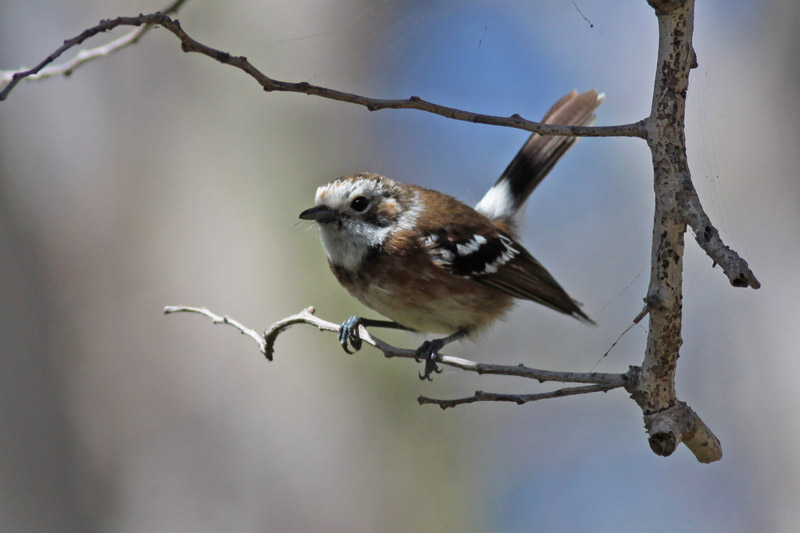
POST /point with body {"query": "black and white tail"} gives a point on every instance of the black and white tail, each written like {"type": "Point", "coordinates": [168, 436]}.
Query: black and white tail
{"type": "Point", "coordinates": [506, 200]}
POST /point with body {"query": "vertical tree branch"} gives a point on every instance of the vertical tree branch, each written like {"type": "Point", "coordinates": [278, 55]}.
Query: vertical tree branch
{"type": "Point", "coordinates": [668, 421]}
{"type": "Point", "coordinates": [671, 173]}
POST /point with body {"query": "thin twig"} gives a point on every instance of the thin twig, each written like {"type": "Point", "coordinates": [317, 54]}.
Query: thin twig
{"type": "Point", "coordinates": [266, 343]}
{"type": "Point", "coordinates": [188, 44]}
{"type": "Point", "coordinates": [518, 399]}
{"type": "Point", "coordinates": [218, 319]}
{"type": "Point", "coordinates": [707, 236]}
{"type": "Point", "coordinates": [636, 320]}
{"type": "Point", "coordinates": [306, 316]}
{"type": "Point", "coordinates": [9, 78]}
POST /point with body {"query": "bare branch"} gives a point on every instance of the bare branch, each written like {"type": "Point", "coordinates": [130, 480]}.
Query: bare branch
{"type": "Point", "coordinates": [542, 376]}
{"type": "Point", "coordinates": [518, 399]}
{"type": "Point", "coordinates": [9, 78]}
{"type": "Point", "coordinates": [677, 424]}
{"type": "Point", "coordinates": [188, 44]}
{"type": "Point", "coordinates": [307, 317]}
{"type": "Point", "coordinates": [217, 319]}
{"type": "Point", "coordinates": [707, 236]}
{"type": "Point", "coordinates": [653, 388]}
{"type": "Point", "coordinates": [267, 341]}
{"type": "Point", "coordinates": [601, 382]}
{"type": "Point", "coordinates": [667, 428]}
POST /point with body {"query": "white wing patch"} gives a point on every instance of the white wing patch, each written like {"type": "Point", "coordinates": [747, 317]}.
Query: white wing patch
{"type": "Point", "coordinates": [475, 257]}
{"type": "Point", "coordinates": [472, 246]}
{"type": "Point", "coordinates": [508, 254]}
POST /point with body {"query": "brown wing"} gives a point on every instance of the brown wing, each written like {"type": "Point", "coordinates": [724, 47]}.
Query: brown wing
{"type": "Point", "coordinates": [489, 256]}
{"type": "Point", "coordinates": [524, 277]}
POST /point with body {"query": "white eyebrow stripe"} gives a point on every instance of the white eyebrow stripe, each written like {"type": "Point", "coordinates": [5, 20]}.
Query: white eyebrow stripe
{"type": "Point", "coordinates": [408, 219]}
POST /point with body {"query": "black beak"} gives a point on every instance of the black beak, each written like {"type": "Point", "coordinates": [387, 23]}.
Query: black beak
{"type": "Point", "coordinates": [320, 213]}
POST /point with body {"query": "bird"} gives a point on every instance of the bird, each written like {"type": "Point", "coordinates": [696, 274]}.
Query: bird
{"type": "Point", "coordinates": [433, 264]}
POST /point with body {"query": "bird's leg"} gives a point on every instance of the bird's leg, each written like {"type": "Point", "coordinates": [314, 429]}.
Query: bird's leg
{"type": "Point", "coordinates": [429, 351]}
{"type": "Point", "coordinates": [348, 331]}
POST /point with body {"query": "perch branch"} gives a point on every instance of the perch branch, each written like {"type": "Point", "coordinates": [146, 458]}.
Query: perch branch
{"type": "Point", "coordinates": [667, 428]}
{"type": "Point", "coordinates": [266, 342]}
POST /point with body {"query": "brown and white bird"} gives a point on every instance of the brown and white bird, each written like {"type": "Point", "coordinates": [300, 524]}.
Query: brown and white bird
{"type": "Point", "coordinates": [433, 264]}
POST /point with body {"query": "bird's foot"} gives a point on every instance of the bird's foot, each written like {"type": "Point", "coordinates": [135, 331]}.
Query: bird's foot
{"type": "Point", "coordinates": [429, 352]}
{"type": "Point", "coordinates": [348, 334]}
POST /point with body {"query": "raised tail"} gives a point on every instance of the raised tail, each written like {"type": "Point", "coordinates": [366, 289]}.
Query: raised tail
{"type": "Point", "coordinates": [507, 198]}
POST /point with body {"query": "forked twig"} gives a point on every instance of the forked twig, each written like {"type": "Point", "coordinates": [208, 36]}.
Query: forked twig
{"type": "Point", "coordinates": [600, 382]}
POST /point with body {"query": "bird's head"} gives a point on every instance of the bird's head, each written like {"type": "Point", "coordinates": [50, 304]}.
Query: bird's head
{"type": "Point", "coordinates": [356, 214]}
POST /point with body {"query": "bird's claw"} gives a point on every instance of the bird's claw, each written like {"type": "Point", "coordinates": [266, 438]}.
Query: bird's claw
{"type": "Point", "coordinates": [429, 351]}
{"type": "Point", "coordinates": [348, 334]}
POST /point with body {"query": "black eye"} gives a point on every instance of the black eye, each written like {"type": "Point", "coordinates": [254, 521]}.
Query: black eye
{"type": "Point", "coordinates": [359, 203]}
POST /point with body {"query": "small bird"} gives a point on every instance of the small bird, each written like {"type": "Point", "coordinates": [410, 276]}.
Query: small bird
{"type": "Point", "coordinates": [433, 264]}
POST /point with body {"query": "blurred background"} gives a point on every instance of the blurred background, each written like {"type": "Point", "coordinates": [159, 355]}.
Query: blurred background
{"type": "Point", "coordinates": [154, 178]}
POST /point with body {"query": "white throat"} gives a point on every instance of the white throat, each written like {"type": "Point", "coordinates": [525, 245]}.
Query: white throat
{"type": "Point", "coordinates": [349, 245]}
